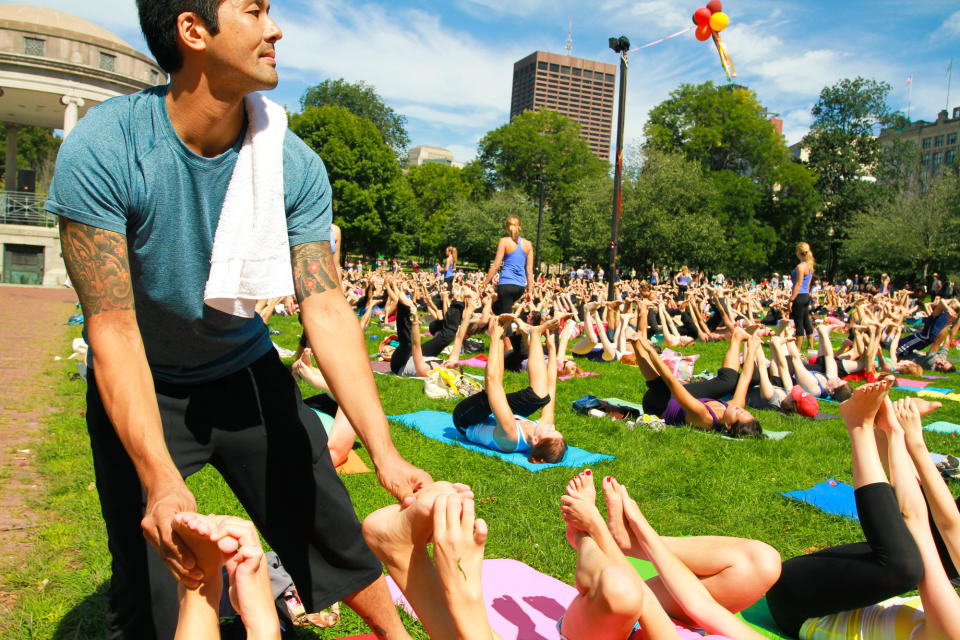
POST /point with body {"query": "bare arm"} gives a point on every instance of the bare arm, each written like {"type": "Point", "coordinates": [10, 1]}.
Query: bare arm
{"type": "Point", "coordinates": [495, 266]}
{"type": "Point", "coordinates": [99, 269]}
{"type": "Point", "coordinates": [743, 382]}
{"type": "Point", "coordinates": [530, 279]}
{"type": "Point", "coordinates": [342, 357]}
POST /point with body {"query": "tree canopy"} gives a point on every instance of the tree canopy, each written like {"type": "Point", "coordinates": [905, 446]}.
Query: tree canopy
{"type": "Point", "coordinates": [361, 100]}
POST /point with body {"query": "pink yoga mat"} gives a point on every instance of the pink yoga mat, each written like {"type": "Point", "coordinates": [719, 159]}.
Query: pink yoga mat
{"type": "Point", "coordinates": [586, 374]}
{"type": "Point", "coordinates": [912, 384]}
{"type": "Point", "coordinates": [524, 604]}
{"type": "Point", "coordinates": [380, 366]}
{"type": "Point", "coordinates": [475, 362]}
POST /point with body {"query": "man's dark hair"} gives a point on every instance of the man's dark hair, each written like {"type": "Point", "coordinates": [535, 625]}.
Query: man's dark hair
{"type": "Point", "coordinates": [158, 21]}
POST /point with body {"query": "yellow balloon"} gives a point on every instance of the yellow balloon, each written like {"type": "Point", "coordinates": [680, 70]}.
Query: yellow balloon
{"type": "Point", "coordinates": [719, 21]}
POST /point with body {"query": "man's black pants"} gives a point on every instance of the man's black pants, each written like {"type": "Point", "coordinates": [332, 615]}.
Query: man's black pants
{"type": "Point", "coordinates": [253, 427]}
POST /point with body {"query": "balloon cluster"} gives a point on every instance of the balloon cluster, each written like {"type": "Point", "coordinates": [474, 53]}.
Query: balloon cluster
{"type": "Point", "coordinates": [710, 20]}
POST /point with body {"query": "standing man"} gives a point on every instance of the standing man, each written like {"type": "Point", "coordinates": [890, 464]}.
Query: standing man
{"type": "Point", "coordinates": [139, 188]}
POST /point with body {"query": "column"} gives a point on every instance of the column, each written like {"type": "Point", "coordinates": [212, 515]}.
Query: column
{"type": "Point", "coordinates": [71, 113]}
{"type": "Point", "coordinates": [11, 160]}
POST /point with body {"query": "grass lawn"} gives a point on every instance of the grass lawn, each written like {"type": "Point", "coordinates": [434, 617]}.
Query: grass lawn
{"type": "Point", "coordinates": [687, 483]}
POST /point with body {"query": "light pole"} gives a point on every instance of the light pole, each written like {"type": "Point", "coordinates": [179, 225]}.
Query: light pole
{"type": "Point", "coordinates": [536, 252]}
{"type": "Point", "coordinates": [620, 45]}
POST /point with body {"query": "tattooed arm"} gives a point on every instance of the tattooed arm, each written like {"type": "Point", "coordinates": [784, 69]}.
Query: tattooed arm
{"type": "Point", "coordinates": [100, 272]}
{"type": "Point", "coordinates": [338, 345]}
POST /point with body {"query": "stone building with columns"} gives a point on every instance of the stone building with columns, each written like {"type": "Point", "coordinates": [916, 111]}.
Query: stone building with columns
{"type": "Point", "coordinates": [53, 68]}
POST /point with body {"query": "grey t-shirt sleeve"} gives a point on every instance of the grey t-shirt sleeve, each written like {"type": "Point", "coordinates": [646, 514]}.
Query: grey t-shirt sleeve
{"type": "Point", "coordinates": [307, 193]}
{"type": "Point", "coordinates": [90, 183]}
{"type": "Point", "coordinates": [755, 399]}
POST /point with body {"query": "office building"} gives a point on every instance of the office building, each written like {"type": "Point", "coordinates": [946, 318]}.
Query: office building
{"type": "Point", "coordinates": [422, 154]}
{"type": "Point", "coordinates": [938, 141]}
{"type": "Point", "coordinates": [577, 88]}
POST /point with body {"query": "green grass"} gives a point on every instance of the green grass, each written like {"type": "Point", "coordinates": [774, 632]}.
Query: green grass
{"type": "Point", "coordinates": [687, 482]}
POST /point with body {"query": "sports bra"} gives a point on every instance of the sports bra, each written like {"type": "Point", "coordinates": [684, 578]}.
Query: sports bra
{"type": "Point", "coordinates": [675, 415]}
{"type": "Point", "coordinates": [482, 434]}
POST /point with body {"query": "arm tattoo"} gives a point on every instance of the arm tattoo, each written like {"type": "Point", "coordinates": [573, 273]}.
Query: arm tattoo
{"type": "Point", "coordinates": [313, 270]}
{"type": "Point", "coordinates": [98, 265]}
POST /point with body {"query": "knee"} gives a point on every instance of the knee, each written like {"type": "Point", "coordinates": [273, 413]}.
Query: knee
{"type": "Point", "coordinates": [763, 563]}
{"type": "Point", "coordinates": [618, 592]}
{"type": "Point", "coordinates": [904, 570]}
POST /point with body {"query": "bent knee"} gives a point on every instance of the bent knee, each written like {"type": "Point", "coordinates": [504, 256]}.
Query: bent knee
{"type": "Point", "coordinates": [619, 592]}
{"type": "Point", "coordinates": [904, 570]}
{"type": "Point", "coordinates": [764, 563]}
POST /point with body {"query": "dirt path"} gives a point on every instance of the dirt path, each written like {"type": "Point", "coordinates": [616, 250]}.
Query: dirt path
{"type": "Point", "coordinates": [32, 325]}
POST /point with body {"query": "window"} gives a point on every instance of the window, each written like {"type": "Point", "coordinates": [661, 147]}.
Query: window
{"type": "Point", "coordinates": [108, 61]}
{"type": "Point", "coordinates": [927, 142]}
{"type": "Point", "coordinates": [926, 160]}
{"type": "Point", "coordinates": [609, 77]}
{"type": "Point", "coordinates": [937, 157]}
{"type": "Point", "coordinates": [541, 65]}
{"type": "Point", "coordinates": [577, 72]}
{"type": "Point", "coordinates": [565, 70]}
{"type": "Point", "coordinates": [554, 67]}
{"type": "Point", "coordinates": [33, 46]}
{"type": "Point", "coordinates": [951, 156]}
{"type": "Point", "coordinates": [587, 73]}
{"type": "Point", "coordinates": [938, 142]}
{"type": "Point", "coordinates": [952, 139]}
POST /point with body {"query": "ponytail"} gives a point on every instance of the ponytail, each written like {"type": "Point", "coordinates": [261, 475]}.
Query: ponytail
{"type": "Point", "coordinates": [513, 227]}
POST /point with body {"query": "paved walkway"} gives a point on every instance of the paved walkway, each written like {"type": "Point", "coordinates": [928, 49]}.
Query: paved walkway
{"type": "Point", "coordinates": [32, 325]}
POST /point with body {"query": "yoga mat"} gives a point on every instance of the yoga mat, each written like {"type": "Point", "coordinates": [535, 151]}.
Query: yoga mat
{"type": "Point", "coordinates": [911, 384]}
{"type": "Point", "coordinates": [380, 366]}
{"type": "Point", "coordinates": [353, 464]}
{"type": "Point", "coordinates": [624, 403]}
{"type": "Point", "coordinates": [941, 426]}
{"type": "Point", "coordinates": [585, 374]}
{"type": "Point", "coordinates": [924, 389]}
{"type": "Point", "coordinates": [522, 603]}
{"type": "Point", "coordinates": [757, 616]}
{"type": "Point", "coordinates": [937, 457]}
{"type": "Point", "coordinates": [438, 425]}
{"type": "Point", "coordinates": [825, 416]}
{"type": "Point", "coordinates": [831, 497]}
{"type": "Point", "coordinates": [934, 377]}
{"type": "Point", "coordinates": [475, 362]}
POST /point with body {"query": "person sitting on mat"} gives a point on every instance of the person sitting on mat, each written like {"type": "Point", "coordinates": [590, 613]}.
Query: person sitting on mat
{"type": "Point", "coordinates": [508, 429]}
{"type": "Point", "coordinates": [340, 433]}
{"type": "Point", "coordinates": [698, 404]}
{"type": "Point", "coordinates": [834, 593]}
{"type": "Point", "coordinates": [701, 581]}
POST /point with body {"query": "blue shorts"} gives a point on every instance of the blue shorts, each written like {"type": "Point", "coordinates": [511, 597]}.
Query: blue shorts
{"type": "Point", "coordinates": [636, 627]}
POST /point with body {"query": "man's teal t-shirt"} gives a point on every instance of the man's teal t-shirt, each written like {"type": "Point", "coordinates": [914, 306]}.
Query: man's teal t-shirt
{"type": "Point", "coordinates": [123, 168]}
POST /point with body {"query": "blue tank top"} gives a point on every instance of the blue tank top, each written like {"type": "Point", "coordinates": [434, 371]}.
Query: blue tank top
{"type": "Point", "coordinates": [449, 273]}
{"type": "Point", "coordinates": [805, 285]}
{"type": "Point", "coordinates": [514, 269]}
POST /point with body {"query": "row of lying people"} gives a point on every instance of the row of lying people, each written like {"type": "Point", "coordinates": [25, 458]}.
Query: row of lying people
{"type": "Point", "coordinates": [701, 582]}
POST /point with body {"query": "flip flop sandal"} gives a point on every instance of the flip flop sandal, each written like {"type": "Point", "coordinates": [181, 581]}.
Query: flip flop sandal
{"type": "Point", "coordinates": [322, 619]}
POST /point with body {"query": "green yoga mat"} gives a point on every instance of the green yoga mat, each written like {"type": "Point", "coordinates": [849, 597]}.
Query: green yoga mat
{"type": "Point", "coordinates": [757, 616]}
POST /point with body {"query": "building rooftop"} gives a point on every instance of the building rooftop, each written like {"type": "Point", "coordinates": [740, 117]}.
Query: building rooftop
{"type": "Point", "coordinates": [58, 23]}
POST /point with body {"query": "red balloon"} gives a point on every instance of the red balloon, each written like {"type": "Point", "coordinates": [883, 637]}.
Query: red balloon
{"type": "Point", "coordinates": [702, 16]}
{"type": "Point", "coordinates": [714, 6]}
{"type": "Point", "coordinates": [704, 32]}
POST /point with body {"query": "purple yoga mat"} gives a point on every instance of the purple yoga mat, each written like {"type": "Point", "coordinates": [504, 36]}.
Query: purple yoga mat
{"type": "Point", "coordinates": [475, 362]}
{"type": "Point", "coordinates": [912, 384]}
{"type": "Point", "coordinates": [522, 603]}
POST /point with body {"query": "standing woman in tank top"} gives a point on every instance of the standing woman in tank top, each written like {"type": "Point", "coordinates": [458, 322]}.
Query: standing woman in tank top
{"type": "Point", "coordinates": [449, 266]}
{"type": "Point", "coordinates": [516, 256]}
{"type": "Point", "coordinates": [800, 297]}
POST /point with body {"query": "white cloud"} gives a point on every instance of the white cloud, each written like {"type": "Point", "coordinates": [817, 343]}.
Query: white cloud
{"type": "Point", "coordinates": [949, 29]}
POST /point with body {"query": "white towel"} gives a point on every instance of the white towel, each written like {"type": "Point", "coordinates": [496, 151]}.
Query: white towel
{"type": "Point", "coordinates": [251, 253]}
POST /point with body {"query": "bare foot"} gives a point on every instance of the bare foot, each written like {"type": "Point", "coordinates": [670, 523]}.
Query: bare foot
{"type": "Point", "coordinates": [621, 532]}
{"type": "Point", "coordinates": [504, 319]}
{"type": "Point", "coordinates": [390, 530]}
{"type": "Point", "coordinates": [861, 408]}
{"type": "Point", "coordinates": [579, 505]}
{"type": "Point", "coordinates": [924, 406]}
{"type": "Point", "coordinates": [458, 542]}
{"type": "Point", "coordinates": [195, 529]}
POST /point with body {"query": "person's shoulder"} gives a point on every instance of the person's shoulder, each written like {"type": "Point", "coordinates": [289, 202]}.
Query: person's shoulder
{"type": "Point", "coordinates": [114, 124]}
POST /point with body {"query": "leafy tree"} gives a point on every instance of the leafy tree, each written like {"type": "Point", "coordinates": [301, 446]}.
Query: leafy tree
{"type": "Point", "coordinates": [374, 204]}
{"type": "Point", "coordinates": [362, 100]}
{"type": "Point", "coordinates": [910, 234]}
{"type": "Point", "coordinates": [474, 227]}
{"type": "Point", "coordinates": [539, 145]}
{"type": "Point", "coordinates": [437, 189]}
{"type": "Point", "coordinates": [36, 149]}
{"type": "Point", "coordinates": [844, 150]}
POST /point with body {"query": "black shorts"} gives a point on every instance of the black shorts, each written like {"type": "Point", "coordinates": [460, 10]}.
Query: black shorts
{"type": "Point", "coordinates": [254, 428]}
{"type": "Point", "coordinates": [476, 408]}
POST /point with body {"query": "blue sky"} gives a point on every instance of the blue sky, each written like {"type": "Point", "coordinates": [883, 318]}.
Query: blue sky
{"type": "Point", "coordinates": [447, 65]}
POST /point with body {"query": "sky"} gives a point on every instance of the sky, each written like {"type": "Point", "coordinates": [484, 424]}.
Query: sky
{"type": "Point", "coordinates": [447, 65]}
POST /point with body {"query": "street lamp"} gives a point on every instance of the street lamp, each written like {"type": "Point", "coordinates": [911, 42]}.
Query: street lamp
{"type": "Point", "coordinates": [536, 252]}
{"type": "Point", "coordinates": [620, 46]}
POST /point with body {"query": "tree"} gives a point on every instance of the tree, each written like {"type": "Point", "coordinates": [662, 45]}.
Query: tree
{"type": "Point", "coordinates": [36, 149]}
{"type": "Point", "coordinates": [374, 204]}
{"type": "Point", "coordinates": [437, 188]}
{"type": "Point", "coordinates": [910, 234]}
{"type": "Point", "coordinates": [539, 145]}
{"type": "Point", "coordinates": [361, 100]}
{"type": "Point", "coordinates": [474, 227]}
{"type": "Point", "coordinates": [844, 149]}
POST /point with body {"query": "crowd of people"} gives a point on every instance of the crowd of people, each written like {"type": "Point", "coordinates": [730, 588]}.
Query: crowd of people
{"type": "Point", "coordinates": [189, 213]}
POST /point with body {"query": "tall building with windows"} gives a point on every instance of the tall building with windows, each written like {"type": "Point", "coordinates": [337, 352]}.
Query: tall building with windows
{"type": "Point", "coordinates": [939, 141]}
{"type": "Point", "coordinates": [579, 89]}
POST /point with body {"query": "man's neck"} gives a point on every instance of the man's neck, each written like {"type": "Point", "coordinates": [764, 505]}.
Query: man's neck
{"type": "Point", "coordinates": [208, 124]}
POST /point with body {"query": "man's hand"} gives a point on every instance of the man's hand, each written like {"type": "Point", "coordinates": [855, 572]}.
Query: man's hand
{"type": "Point", "coordinates": [401, 478]}
{"type": "Point", "coordinates": [157, 525]}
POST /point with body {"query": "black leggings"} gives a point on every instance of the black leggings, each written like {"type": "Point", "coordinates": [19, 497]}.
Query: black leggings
{"type": "Point", "coordinates": [658, 394]}
{"type": "Point", "coordinates": [800, 314]}
{"type": "Point", "coordinates": [432, 347]}
{"type": "Point", "coordinates": [476, 408]}
{"type": "Point", "coordinates": [852, 575]}
{"type": "Point", "coordinates": [653, 323]}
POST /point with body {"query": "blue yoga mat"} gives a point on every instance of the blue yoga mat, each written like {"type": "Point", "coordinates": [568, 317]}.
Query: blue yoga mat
{"type": "Point", "coordinates": [941, 426]}
{"type": "Point", "coordinates": [934, 389]}
{"type": "Point", "coordinates": [832, 497]}
{"type": "Point", "coordinates": [438, 425]}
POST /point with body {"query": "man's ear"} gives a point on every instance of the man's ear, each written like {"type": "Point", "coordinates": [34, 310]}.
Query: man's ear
{"type": "Point", "coordinates": [192, 31]}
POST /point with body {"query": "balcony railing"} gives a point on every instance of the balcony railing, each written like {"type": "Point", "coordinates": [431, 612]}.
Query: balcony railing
{"type": "Point", "coordinates": [25, 208]}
